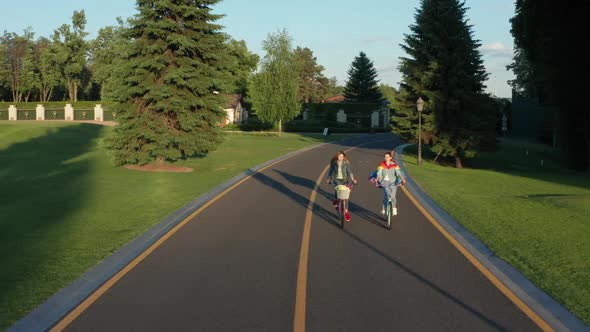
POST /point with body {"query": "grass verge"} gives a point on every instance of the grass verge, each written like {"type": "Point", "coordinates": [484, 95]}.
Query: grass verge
{"type": "Point", "coordinates": [64, 208]}
{"type": "Point", "coordinates": [526, 208]}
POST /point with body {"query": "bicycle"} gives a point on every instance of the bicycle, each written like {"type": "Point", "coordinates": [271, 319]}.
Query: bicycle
{"type": "Point", "coordinates": [389, 211]}
{"type": "Point", "coordinates": [342, 195]}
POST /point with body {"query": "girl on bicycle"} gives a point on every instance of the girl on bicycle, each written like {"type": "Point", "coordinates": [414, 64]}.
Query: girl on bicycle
{"type": "Point", "coordinates": [389, 177]}
{"type": "Point", "coordinates": [340, 174]}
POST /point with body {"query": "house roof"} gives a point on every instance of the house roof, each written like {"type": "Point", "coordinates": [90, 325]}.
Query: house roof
{"type": "Point", "coordinates": [334, 99]}
{"type": "Point", "coordinates": [232, 101]}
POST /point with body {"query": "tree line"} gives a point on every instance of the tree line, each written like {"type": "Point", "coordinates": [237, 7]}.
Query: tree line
{"type": "Point", "coordinates": [67, 66]}
{"type": "Point", "coordinates": [168, 68]}
{"type": "Point", "coordinates": [549, 66]}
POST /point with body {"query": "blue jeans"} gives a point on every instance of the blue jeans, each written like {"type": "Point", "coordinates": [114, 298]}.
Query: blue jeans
{"type": "Point", "coordinates": [389, 190]}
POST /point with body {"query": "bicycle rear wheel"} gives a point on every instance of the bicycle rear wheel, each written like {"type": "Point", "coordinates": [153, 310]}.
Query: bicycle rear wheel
{"type": "Point", "coordinates": [341, 206]}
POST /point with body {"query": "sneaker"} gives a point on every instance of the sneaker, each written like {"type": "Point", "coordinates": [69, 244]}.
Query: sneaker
{"type": "Point", "coordinates": [335, 202]}
{"type": "Point", "coordinates": [395, 211]}
{"type": "Point", "coordinates": [347, 216]}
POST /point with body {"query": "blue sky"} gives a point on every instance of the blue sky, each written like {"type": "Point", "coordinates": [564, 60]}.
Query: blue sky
{"type": "Point", "coordinates": [335, 30]}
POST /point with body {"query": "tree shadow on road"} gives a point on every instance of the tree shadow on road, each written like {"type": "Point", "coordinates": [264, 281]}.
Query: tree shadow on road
{"type": "Point", "coordinates": [427, 282]}
{"type": "Point", "coordinates": [328, 215]}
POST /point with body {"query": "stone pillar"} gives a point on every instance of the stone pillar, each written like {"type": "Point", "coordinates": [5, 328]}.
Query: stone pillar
{"type": "Point", "coordinates": [341, 116]}
{"type": "Point", "coordinates": [12, 112]}
{"type": "Point", "coordinates": [40, 112]}
{"type": "Point", "coordinates": [69, 110]}
{"type": "Point", "coordinates": [375, 119]}
{"type": "Point", "coordinates": [98, 113]}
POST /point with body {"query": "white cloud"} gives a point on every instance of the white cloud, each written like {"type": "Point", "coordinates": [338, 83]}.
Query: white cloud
{"type": "Point", "coordinates": [386, 69]}
{"type": "Point", "coordinates": [497, 50]}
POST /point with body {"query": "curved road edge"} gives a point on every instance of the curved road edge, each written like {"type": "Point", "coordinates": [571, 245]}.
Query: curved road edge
{"type": "Point", "coordinates": [54, 309]}
{"type": "Point", "coordinates": [553, 313]}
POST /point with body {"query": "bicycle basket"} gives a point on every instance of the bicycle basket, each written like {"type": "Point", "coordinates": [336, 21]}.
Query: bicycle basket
{"type": "Point", "coordinates": [342, 192]}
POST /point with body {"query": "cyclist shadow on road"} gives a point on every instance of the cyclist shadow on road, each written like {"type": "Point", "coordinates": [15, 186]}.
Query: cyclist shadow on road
{"type": "Point", "coordinates": [354, 208]}
{"type": "Point", "coordinates": [330, 216]}
{"type": "Point", "coordinates": [301, 200]}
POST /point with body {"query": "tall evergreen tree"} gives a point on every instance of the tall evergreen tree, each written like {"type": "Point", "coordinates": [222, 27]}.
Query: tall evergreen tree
{"type": "Point", "coordinates": [361, 86]}
{"type": "Point", "coordinates": [445, 68]}
{"type": "Point", "coordinates": [274, 89]}
{"type": "Point", "coordinates": [550, 64]}
{"type": "Point", "coordinates": [313, 85]}
{"type": "Point", "coordinates": [168, 100]}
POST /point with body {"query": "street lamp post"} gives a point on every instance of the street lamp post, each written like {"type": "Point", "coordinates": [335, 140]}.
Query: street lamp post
{"type": "Point", "coordinates": [420, 107]}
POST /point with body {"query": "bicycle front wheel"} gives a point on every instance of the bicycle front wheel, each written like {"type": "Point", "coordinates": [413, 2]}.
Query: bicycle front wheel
{"type": "Point", "coordinates": [389, 214]}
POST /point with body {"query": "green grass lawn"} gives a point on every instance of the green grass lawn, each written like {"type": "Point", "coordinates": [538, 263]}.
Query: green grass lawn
{"type": "Point", "coordinates": [535, 217]}
{"type": "Point", "coordinates": [64, 208]}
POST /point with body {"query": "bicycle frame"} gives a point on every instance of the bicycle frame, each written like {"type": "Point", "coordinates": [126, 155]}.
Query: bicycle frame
{"type": "Point", "coordinates": [341, 208]}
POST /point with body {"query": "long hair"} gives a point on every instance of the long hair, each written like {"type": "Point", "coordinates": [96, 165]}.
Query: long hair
{"type": "Point", "coordinates": [335, 158]}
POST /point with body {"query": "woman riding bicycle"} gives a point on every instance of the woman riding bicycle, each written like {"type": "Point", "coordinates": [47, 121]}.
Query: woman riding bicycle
{"type": "Point", "coordinates": [389, 177]}
{"type": "Point", "coordinates": [340, 174]}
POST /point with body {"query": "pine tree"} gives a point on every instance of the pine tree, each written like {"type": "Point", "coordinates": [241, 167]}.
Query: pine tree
{"type": "Point", "coordinates": [168, 98]}
{"type": "Point", "coordinates": [549, 63]}
{"type": "Point", "coordinates": [361, 86]}
{"type": "Point", "coordinates": [445, 68]}
{"type": "Point", "coordinates": [313, 85]}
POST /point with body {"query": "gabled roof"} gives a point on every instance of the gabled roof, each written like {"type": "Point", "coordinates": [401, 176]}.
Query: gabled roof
{"type": "Point", "coordinates": [334, 99]}
{"type": "Point", "coordinates": [232, 100]}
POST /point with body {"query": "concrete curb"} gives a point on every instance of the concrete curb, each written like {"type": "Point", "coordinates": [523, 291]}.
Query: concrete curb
{"type": "Point", "coordinates": [557, 316]}
{"type": "Point", "coordinates": [46, 315]}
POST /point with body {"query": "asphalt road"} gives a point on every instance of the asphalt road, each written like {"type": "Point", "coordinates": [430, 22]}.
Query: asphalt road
{"type": "Point", "coordinates": [234, 266]}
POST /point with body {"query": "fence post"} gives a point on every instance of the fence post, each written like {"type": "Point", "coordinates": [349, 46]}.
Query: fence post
{"type": "Point", "coordinates": [40, 112]}
{"type": "Point", "coordinates": [69, 112]}
{"type": "Point", "coordinates": [375, 119]}
{"type": "Point", "coordinates": [341, 116]}
{"type": "Point", "coordinates": [12, 112]}
{"type": "Point", "coordinates": [98, 113]}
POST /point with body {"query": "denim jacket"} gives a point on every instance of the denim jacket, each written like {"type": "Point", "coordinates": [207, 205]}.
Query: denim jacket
{"type": "Point", "coordinates": [346, 171]}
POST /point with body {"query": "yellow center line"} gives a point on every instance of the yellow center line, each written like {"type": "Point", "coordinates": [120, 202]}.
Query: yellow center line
{"type": "Point", "coordinates": [72, 315]}
{"type": "Point", "coordinates": [491, 277]}
{"type": "Point", "coordinates": [301, 291]}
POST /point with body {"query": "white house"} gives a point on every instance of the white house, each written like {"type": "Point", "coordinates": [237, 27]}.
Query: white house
{"type": "Point", "coordinates": [234, 111]}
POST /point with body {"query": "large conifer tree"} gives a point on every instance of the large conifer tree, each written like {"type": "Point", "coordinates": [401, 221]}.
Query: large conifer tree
{"type": "Point", "coordinates": [168, 100]}
{"type": "Point", "coordinates": [445, 68]}
{"type": "Point", "coordinates": [361, 86]}
{"type": "Point", "coordinates": [549, 63]}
